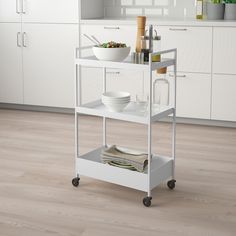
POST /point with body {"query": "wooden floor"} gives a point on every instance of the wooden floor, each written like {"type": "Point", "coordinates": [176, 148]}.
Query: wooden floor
{"type": "Point", "coordinates": [37, 165]}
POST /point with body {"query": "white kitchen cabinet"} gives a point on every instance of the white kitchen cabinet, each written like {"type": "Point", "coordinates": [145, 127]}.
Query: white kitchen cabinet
{"type": "Point", "coordinates": [11, 81]}
{"type": "Point", "coordinates": [224, 50]}
{"type": "Point", "coordinates": [193, 95]}
{"type": "Point", "coordinates": [194, 46]}
{"type": "Point", "coordinates": [106, 33]}
{"type": "Point", "coordinates": [51, 11]}
{"type": "Point", "coordinates": [224, 97]}
{"type": "Point", "coordinates": [48, 64]}
{"type": "Point", "coordinates": [10, 11]}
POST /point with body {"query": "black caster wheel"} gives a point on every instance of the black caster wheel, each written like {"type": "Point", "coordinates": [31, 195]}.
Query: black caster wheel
{"type": "Point", "coordinates": [147, 201]}
{"type": "Point", "coordinates": [75, 182]}
{"type": "Point", "coordinates": [171, 184]}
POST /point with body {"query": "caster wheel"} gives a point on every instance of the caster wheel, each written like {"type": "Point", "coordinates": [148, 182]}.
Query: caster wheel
{"type": "Point", "coordinates": [147, 201]}
{"type": "Point", "coordinates": [75, 182]}
{"type": "Point", "coordinates": [171, 184]}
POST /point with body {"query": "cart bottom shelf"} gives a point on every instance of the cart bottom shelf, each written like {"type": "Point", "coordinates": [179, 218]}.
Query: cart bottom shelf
{"type": "Point", "coordinates": [90, 165]}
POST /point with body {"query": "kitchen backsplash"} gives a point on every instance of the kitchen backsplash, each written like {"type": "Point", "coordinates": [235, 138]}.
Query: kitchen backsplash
{"type": "Point", "coordinates": [151, 8]}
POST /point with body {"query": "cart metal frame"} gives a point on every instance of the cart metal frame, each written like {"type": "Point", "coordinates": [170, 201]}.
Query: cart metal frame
{"type": "Point", "coordinates": [159, 168]}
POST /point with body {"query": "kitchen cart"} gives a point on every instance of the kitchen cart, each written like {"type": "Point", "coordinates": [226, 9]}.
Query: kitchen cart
{"type": "Point", "coordinates": [159, 168]}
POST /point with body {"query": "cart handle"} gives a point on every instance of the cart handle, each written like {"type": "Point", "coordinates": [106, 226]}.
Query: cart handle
{"type": "Point", "coordinates": [174, 50]}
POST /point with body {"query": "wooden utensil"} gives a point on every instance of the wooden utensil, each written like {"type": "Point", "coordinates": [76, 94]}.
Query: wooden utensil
{"type": "Point", "coordinates": [141, 22]}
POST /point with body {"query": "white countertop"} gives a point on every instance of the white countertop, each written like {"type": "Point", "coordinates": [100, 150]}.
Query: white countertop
{"type": "Point", "coordinates": [162, 21]}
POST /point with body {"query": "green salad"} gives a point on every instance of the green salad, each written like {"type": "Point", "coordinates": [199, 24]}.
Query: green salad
{"type": "Point", "coordinates": [113, 44]}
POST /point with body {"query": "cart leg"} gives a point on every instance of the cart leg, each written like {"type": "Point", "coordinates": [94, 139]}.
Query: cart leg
{"type": "Point", "coordinates": [104, 118]}
{"type": "Point", "coordinates": [147, 200]}
{"type": "Point", "coordinates": [171, 183]}
{"type": "Point", "coordinates": [75, 181]}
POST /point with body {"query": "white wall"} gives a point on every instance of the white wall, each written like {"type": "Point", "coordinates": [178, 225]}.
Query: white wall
{"type": "Point", "coordinates": [167, 8]}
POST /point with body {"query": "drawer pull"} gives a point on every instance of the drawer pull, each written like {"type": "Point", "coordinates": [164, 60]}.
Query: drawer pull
{"type": "Point", "coordinates": [111, 27]}
{"type": "Point", "coordinates": [18, 42]}
{"type": "Point", "coordinates": [178, 76]}
{"type": "Point", "coordinates": [113, 72]}
{"type": "Point", "coordinates": [24, 39]}
{"type": "Point", "coordinates": [17, 7]}
{"type": "Point", "coordinates": [178, 29]}
{"type": "Point", "coordinates": [23, 7]}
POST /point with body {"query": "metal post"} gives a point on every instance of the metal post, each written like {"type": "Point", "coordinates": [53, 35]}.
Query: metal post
{"type": "Point", "coordinates": [104, 118]}
{"type": "Point", "coordinates": [77, 97]}
{"type": "Point", "coordinates": [150, 126]}
{"type": "Point", "coordinates": [174, 117]}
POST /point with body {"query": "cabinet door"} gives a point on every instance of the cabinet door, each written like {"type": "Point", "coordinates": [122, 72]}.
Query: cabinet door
{"type": "Point", "coordinates": [51, 11]}
{"type": "Point", "coordinates": [224, 50]}
{"type": "Point", "coordinates": [10, 11]}
{"type": "Point", "coordinates": [48, 58]}
{"type": "Point", "coordinates": [11, 81]}
{"type": "Point", "coordinates": [224, 97]}
{"type": "Point", "coordinates": [194, 45]}
{"type": "Point", "coordinates": [193, 95]}
{"type": "Point", "coordinates": [91, 84]}
{"type": "Point", "coordinates": [104, 33]}
{"type": "Point", "coordinates": [125, 80]}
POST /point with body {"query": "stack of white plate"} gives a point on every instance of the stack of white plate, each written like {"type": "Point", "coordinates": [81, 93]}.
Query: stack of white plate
{"type": "Point", "coordinates": [116, 101]}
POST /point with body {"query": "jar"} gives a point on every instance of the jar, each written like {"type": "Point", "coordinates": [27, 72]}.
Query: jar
{"type": "Point", "coordinates": [161, 91]}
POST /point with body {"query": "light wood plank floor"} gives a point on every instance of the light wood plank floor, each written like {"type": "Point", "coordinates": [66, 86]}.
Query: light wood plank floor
{"type": "Point", "coordinates": [37, 165]}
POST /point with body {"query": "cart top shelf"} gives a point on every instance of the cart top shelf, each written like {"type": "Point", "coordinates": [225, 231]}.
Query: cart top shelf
{"type": "Point", "coordinates": [92, 61]}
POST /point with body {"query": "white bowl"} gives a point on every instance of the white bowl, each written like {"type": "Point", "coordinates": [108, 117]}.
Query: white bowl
{"type": "Point", "coordinates": [111, 54]}
{"type": "Point", "coordinates": [116, 95]}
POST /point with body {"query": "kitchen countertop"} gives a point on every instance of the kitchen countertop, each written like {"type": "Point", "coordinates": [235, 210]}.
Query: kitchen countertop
{"type": "Point", "coordinates": [162, 21]}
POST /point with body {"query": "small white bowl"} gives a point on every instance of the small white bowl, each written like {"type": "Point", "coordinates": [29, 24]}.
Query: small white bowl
{"type": "Point", "coordinates": [111, 54]}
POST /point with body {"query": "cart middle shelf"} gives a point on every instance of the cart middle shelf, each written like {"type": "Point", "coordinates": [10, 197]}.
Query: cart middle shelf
{"type": "Point", "coordinates": [130, 113]}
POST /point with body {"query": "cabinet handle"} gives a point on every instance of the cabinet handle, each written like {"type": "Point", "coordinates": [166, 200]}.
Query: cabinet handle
{"type": "Point", "coordinates": [178, 29]}
{"type": "Point", "coordinates": [23, 7]}
{"type": "Point", "coordinates": [18, 42]}
{"type": "Point", "coordinates": [113, 72]}
{"type": "Point", "coordinates": [178, 76]}
{"type": "Point", "coordinates": [24, 39]}
{"type": "Point", "coordinates": [17, 7]}
{"type": "Point", "coordinates": [111, 27]}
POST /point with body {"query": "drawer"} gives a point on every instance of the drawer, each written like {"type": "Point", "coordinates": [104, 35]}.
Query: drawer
{"type": "Point", "coordinates": [125, 80]}
{"type": "Point", "coordinates": [224, 97]}
{"type": "Point", "coordinates": [117, 80]}
{"type": "Point", "coordinates": [194, 45]}
{"type": "Point", "coordinates": [224, 50]}
{"type": "Point", "coordinates": [193, 95]}
{"type": "Point", "coordinates": [104, 33]}
{"type": "Point", "coordinates": [51, 11]}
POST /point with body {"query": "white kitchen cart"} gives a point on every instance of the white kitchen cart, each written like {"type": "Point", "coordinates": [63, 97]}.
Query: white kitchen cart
{"type": "Point", "coordinates": [160, 168]}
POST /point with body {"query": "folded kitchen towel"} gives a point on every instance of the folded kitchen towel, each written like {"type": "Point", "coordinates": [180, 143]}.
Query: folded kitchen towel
{"type": "Point", "coordinates": [124, 158]}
